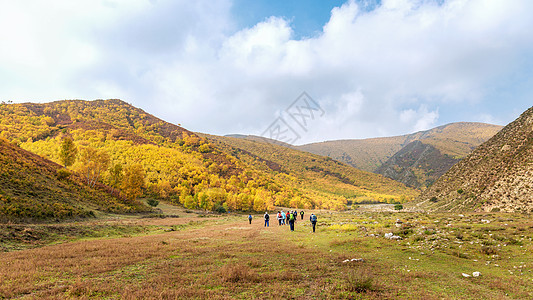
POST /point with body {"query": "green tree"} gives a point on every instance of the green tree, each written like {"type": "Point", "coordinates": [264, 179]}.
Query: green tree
{"type": "Point", "coordinates": [68, 152]}
{"type": "Point", "coordinates": [398, 207]}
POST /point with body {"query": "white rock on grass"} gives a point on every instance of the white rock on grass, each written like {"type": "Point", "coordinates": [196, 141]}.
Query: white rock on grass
{"type": "Point", "coordinates": [465, 275]}
{"type": "Point", "coordinates": [476, 274]}
{"type": "Point", "coordinates": [353, 259]}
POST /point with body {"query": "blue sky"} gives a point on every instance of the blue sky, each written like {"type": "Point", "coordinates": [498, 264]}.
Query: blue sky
{"type": "Point", "coordinates": [233, 66]}
{"type": "Point", "coordinates": [307, 17]}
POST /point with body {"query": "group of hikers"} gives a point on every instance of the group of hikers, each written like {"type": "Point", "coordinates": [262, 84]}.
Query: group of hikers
{"type": "Point", "coordinates": [289, 218]}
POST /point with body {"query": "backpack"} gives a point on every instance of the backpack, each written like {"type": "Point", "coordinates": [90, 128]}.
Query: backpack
{"type": "Point", "coordinates": [267, 217]}
{"type": "Point", "coordinates": [279, 216]}
{"type": "Point", "coordinates": [292, 217]}
{"type": "Point", "coordinates": [313, 218]}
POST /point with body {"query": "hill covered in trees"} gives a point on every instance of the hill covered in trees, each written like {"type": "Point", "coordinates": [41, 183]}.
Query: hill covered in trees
{"type": "Point", "coordinates": [496, 176]}
{"type": "Point", "coordinates": [33, 188]}
{"type": "Point", "coordinates": [135, 154]}
{"type": "Point", "coordinates": [319, 174]}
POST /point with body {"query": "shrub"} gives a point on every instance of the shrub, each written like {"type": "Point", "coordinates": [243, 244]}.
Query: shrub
{"type": "Point", "coordinates": [433, 199]}
{"type": "Point", "coordinates": [63, 174]}
{"type": "Point", "coordinates": [398, 207]}
{"type": "Point", "coordinates": [487, 250]}
{"type": "Point", "coordinates": [460, 191]}
{"type": "Point", "coordinates": [360, 283]}
{"type": "Point", "coordinates": [220, 209]}
{"type": "Point", "coordinates": [152, 202]}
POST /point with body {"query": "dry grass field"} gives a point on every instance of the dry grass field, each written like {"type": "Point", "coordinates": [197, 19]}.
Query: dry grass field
{"type": "Point", "coordinates": [195, 256]}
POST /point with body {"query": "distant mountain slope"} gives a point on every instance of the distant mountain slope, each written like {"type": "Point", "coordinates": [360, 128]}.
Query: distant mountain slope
{"type": "Point", "coordinates": [455, 140]}
{"type": "Point", "coordinates": [496, 176]}
{"type": "Point", "coordinates": [417, 165]}
{"type": "Point", "coordinates": [316, 173]}
{"type": "Point", "coordinates": [33, 188]}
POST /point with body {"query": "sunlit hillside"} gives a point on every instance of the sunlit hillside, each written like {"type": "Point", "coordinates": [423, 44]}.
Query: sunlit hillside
{"type": "Point", "coordinates": [115, 141]}
{"type": "Point", "coordinates": [495, 177]}
{"type": "Point", "coordinates": [455, 139]}
{"type": "Point", "coordinates": [33, 188]}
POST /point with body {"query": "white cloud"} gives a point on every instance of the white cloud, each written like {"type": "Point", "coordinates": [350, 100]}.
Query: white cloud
{"type": "Point", "coordinates": [381, 72]}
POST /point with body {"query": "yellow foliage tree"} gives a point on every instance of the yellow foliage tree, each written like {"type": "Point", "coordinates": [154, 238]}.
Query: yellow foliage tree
{"type": "Point", "coordinates": [133, 182]}
{"type": "Point", "coordinates": [68, 152]}
{"type": "Point", "coordinates": [93, 163]}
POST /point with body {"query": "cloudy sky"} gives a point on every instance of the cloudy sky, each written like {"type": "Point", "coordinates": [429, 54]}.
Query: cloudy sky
{"type": "Point", "coordinates": [369, 68]}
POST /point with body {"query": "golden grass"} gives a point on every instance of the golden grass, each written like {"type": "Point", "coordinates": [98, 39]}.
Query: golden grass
{"type": "Point", "coordinates": [226, 258]}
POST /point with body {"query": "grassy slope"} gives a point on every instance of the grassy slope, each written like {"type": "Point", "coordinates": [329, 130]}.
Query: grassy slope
{"type": "Point", "coordinates": [455, 139]}
{"type": "Point", "coordinates": [30, 189]}
{"type": "Point", "coordinates": [224, 257]}
{"type": "Point", "coordinates": [316, 172]}
{"type": "Point", "coordinates": [495, 176]}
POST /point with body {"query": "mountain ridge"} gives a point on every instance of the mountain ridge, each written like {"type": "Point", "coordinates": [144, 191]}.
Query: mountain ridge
{"type": "Point", "coordinates": [496, 176]}
{"type": "Point", "coordinates": [357, 152]}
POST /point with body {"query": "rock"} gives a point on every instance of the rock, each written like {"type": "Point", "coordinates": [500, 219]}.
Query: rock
{"type": "Point", "coordinates": [391, 236]}
{"type": "Point", "coordinates": [476, 274]}
{"type": "Point", "coordinates": [465, 275]}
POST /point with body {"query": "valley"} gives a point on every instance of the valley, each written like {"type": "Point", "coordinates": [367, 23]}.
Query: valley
{"type": "Point", "coordinates": [190, 254]}
{"type": "Point", "coordinates": [99, 199]}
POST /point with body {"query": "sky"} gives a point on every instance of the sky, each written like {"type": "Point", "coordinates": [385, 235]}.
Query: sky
{"type": "Point", "coordinates": [299, 71]}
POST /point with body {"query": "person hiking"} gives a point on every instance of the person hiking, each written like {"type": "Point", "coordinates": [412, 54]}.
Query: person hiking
{"type": "Point", "coordinates": [302, 214]}
{"type": "Point", "coordinates": [267, 219]}
{"type": "Point", "coordinates": [291, 221]}
{"type": "Point", "coordinates": [283, 216]}
{"type": "Point", "coordinates": [279, 218]}
{"type": "Point", "coordinates": [250, 218]}
{"type": "Point", "coordinates": [312, 218]}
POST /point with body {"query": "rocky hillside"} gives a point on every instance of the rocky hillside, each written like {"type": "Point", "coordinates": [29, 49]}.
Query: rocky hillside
{"type": "Point", "coordinates": [417, 165]}
{"type": "Point", "coordinates": [496, 176]}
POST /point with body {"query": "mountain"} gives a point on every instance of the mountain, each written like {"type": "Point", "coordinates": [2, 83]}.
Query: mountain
{"type": "Point", "coordinates": [416, 165]}
{"type": "Point", "coordinates": [318, 174]}
{"type": "Point", "coordinates": [178, 165]}
{"type": "Point", "coordinates": [496, 176]}
{"type": "Point", "coordinates": [33, 188]}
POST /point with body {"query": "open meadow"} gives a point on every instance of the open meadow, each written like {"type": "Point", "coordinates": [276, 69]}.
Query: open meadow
{"type": "Point", "coordinates": [353, 255]}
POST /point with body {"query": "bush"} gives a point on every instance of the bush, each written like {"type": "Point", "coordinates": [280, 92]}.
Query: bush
{"type": "Point", "coordinates": [220, 209]}
{"type": "Point", "coordinates": [152, 202]}
{"type": "Point", "coordinates": [63, 174]}
{"type": "Point", "coordinates": [360, 283]}
{"type": "Point", "coordinates": [487, 250]}
{"type": "Point", "coordinates": [433, 199]}
{"type": "Point", "coordinates": [398, 207]}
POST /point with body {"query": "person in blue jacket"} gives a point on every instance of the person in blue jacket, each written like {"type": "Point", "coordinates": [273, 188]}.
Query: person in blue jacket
{"type": "Point", "coordinates": [313, 218]}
